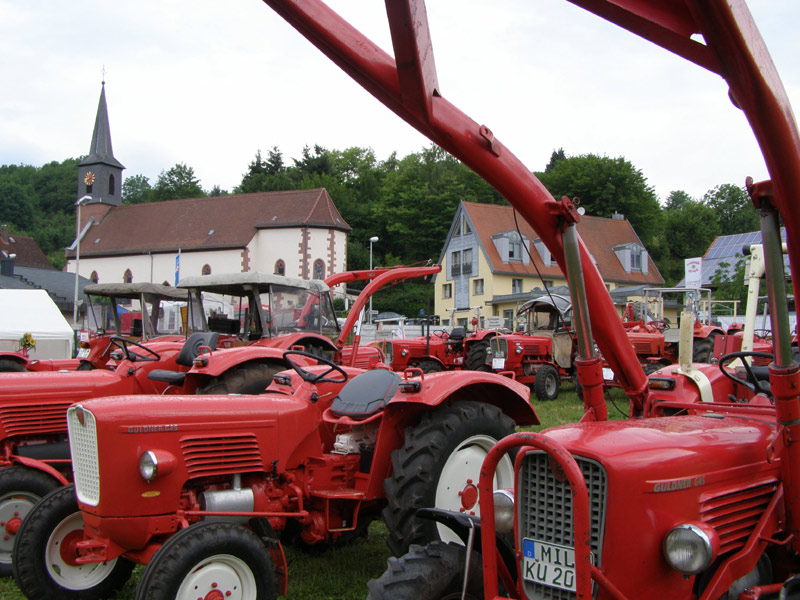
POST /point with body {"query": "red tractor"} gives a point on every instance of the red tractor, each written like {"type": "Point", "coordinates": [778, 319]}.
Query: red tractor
{"type": "Point", "coordinates": [104, 316]}
{"type": "Point", "coordinates": [34, 451]}
{"type": "Point", "coordinates": [203, 489]}
{"type": "Point", "coordinates": [440, 350]}
{"type": "Point", "coordinates": [545, 353]}
{"type": "Point", "coordinates": [655, 341]}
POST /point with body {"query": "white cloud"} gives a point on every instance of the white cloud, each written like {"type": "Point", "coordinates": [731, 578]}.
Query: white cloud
{"type": "Point", "coordinates": [209, 83]}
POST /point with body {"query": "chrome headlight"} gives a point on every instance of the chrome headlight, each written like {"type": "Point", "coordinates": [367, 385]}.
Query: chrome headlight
{"type": "Point", "coordinates": [148, 465]}
{"type": "Point", "coordinates": [503, 511]}
{"type": "Point", "coordinates": [690, 549]}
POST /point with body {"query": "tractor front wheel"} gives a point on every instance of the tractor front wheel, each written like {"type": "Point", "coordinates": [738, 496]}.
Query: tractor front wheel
{"type": "Point", "coordinates": [20, 489]}
{"type": "Point", "coordinates": [546, 383]}
{"type": "Point", "coordinates": [475, 359]}
{"type": "Point", "coordinates": [248, 378]}
{"type": "Point", "coordinates": [44, 554]}
{"type": "Point", "coordinates": [432, 572]}
{"type": "Point", "coordinates": [210, 560]}
{"type": "Point", "coordinates": [439, 466]}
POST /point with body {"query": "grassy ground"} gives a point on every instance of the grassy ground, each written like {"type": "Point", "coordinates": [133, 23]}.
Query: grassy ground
{"type": "Point", "coordinates": [342, 573]}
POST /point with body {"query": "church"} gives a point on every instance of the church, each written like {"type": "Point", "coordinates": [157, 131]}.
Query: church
{"type": "Point", "coordinates": [293, 233]}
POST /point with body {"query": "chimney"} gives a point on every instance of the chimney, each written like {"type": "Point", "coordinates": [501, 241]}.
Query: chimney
{"type": "Point", "coordinates": [618, 216]}
{"type": "Point", "coordinates": [4, 233]}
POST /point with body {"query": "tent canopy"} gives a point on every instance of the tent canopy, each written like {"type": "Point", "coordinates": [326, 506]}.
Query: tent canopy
{"type": "Point", "coordinates": [34, 312]}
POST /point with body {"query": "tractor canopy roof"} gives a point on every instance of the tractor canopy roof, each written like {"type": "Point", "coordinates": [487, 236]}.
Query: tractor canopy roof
{"type": "Point", "coordinates": [134, 290]}
{"type": "Point", "coordinates": [232, 283]}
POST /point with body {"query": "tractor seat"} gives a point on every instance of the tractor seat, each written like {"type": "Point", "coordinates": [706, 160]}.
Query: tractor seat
{"type": "Point", "coordinates": [189, 351]}
{"type": "Point", "coordinates": [366, 394]}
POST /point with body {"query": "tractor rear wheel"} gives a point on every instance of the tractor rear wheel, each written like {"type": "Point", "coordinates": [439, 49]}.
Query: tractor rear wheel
{"type": "Point", "coordinates": [439, 466]}
{"type": "Point", "coordinates": [432, 572]}
{"type": "Point", "coordinates": [703, 349]}
{"type": "Point", "coordinates": [247, 378]}
{"type": "Point", "coordinates": [546, 383]}
{"type": "Point", "coordinates": [429, 366]}
{"type": "Point", "coordinates": [210, 560]}
{"type": "Point", "coordinates": [475, 359]}
{"type": "Point", "coordinates": [11, 366]}
{"type": "Point", "coordinates": [20, 489]}
{"type": "Point", "coordinates": [44, 564]}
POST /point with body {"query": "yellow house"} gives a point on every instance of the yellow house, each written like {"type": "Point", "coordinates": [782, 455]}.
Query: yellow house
{"type": "Point", "coordinates": [489, 266]}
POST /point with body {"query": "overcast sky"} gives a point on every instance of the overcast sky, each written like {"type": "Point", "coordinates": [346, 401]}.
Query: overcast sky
{"type": "Point", "coordinates": [208, 83]}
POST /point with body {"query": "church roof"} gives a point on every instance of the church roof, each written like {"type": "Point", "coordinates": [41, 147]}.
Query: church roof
{"type": "Point", "coordinates": [211, 223]}
{"type": "Point", "coordinates": [101, 151]}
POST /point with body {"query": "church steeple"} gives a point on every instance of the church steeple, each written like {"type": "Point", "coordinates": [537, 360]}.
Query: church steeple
{"type": "Point", "coordinates": [100, 173]}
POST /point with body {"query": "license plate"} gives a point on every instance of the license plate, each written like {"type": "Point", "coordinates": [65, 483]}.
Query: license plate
{"type": "Point", "coordinates": [548, 564]}
{"type": "Point", "coordinates": [83, 353]}
{"type": "Point", "coordinates": [498, 363]}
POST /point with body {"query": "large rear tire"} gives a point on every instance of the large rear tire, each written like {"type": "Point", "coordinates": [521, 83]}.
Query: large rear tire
{"type": "Point", "coordinates": [475, 359]}
{"type": "Point", "coordinates": [44, 564]}
{"type": "Point", "coordinates": [247, 378]}
{"type": "Point", "coordinates": [11, 366]}
{"type": "Point", "coordinates": [547, 383]}
{"type": "Point", "coordinates": [703, 350]}
{"type": "Point", "coordinates": [20, 489]}
{"type": "Point", "coordinates": [441, 458]}
{"type": "Point", "coordinates": [210, 557]}
{"type": "Point", "coordinates": [432, 572]}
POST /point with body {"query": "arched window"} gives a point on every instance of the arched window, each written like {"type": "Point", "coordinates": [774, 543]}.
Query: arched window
{"type": "Point", "coordinates": [95, 278]}
{"type": "Point", "coordinates": [206, 270]}
{"type": "Point", "coordinates": [280, 268]}
{"type": "Point", "coordinates": [111, 185]}
{"type": "Point", "coordinates": [128, 277]}
{"type": "Point", "coordinates": [319, 269]}
{"type": "Point", "coordinates": [166, 283]}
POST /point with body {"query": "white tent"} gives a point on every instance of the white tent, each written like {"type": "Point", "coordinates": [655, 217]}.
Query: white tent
{"type": "Point", "coordinates": [34, 312]}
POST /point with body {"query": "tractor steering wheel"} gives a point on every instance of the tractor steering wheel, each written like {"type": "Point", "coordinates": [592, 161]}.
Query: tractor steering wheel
{"type": "Point", "coordinates": [750, 382]}
{"type": "Point", "coordinates": [315, 378]}
{"type": "Point", "coordinates": [122, 344]}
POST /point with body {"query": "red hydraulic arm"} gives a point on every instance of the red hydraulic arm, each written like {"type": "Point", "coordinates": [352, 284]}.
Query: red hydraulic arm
{"type": "Point", "coordinates": [408, 85]}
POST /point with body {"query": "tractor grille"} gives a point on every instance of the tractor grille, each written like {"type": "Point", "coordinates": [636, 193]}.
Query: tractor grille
{"type": "Point", "coordinates": [643, 348]}
{"type": "Point", "coordinates": [499, 347]}
{"type": "Point", "coordinates": [734, 516]}
{"type": "Point", "coordinates": [545, 512]}
{"type": "Point", "coordinates": [34, 418]}
{"type": "Point", "coordinates": [221, 454]}
{"type": "Point", "coordinates": [83, 446]}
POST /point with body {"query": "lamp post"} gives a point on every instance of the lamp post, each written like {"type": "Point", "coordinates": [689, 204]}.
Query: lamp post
{"type": "Point", "coordinates": [79, 202]}
{"type": "Point", "coordinates": [372, 240]}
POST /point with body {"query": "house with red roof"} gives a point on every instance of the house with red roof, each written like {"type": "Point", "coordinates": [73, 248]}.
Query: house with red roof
{"type": "Point", "coordinates": [493, 261]}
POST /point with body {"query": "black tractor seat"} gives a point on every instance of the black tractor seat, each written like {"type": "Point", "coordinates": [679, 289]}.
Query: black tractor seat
{"type": "Point", "coordinates": [190, 350]}
{"type": "Point", "coordinates": [365, 394]}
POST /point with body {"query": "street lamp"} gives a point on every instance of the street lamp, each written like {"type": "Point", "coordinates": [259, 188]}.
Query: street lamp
{"type": "Point", "coordinates": [372, 240]}
{"type": "Point", "coordinates": [79, 202]}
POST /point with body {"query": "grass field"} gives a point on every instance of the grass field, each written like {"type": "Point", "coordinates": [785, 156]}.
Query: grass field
{"type": "Point", "coordinates": [342, 573]}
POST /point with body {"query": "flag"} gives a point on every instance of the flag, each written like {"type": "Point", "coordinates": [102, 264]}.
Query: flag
{"type": "Point", "coordinates": [177, 267]}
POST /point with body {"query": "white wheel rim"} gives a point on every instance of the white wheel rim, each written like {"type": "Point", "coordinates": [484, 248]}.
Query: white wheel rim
{"type": "Point", "coordinates": [224, 573]}
{"type": "Point", "coordinates": [13, 508]}
{"type": "Point", "coordinates": [73, 577]}
{"type": "Point", "coordinates": [550, 385]}
{"type": "Point", "coordinates": [464, 466]}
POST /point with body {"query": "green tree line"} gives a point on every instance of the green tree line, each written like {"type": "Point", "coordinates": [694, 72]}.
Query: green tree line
{"type": "Point", "coordinates": [409, 203]}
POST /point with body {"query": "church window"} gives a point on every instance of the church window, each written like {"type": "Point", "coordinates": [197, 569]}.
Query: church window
{"type": "Point", "coordinates": [206, 270]}
{"type": "Point", "coordinates": [319, 269]}
{"type": "Point", "coordinates": [128, 277]}
{"type": "Point", "coordinates": [280, 268]}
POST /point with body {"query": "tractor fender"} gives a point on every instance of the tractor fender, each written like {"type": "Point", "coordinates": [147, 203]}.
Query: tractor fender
{"type": "Point", "coordinates": [446, 387]}
{"type": "Point", "coordinates": [32, 463]}
{"type": "Point", "coordinates": [286, 342]}
{"type": "Point", "coordinates": [223, 360]}
{"type": "Point", "coordinates": [481, 334]}
{"type": "Point", "coordinates": [707, 331]}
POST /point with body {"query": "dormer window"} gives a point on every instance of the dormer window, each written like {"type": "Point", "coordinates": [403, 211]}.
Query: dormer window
{"type": "Point", "coordinates": [633, 257]}
{"type": "Point", "coordinates": [514, 246]}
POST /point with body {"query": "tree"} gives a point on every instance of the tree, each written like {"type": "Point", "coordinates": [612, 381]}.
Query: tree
{"type": "Point", "coordinates": [604, 186]}
{"type": "Point", "coordinates": [137, 190]}
{"type": "Point", "coordinates": [677, 199]}
{"type": "Point", "coordinates": [556, 156]}
{"type": "Point", "coordinates": [688, 232]}
{"type": "Point", "coordinates": [177, 183]}
{"type": "Point", "coordinates": [16, 206]}
{"type": "Point", "coordinates": [733, 208]}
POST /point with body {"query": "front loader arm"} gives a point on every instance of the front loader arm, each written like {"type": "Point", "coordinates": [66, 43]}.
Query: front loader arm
{"type": "Point", "coordinates": [408, 86]}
